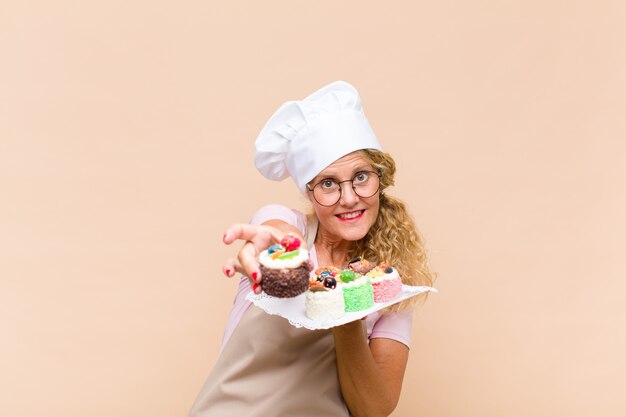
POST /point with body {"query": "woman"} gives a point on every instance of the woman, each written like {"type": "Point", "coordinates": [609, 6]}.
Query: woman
{"type": "Point", "coordinates": [268, 367]}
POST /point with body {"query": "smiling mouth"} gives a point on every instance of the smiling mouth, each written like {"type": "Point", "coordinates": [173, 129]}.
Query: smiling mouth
{"type": "Point", "coordinates": [351, 215]}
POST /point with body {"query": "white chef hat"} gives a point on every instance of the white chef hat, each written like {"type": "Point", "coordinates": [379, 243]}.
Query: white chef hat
{"type": "Point", "coordinates": [304, 137]}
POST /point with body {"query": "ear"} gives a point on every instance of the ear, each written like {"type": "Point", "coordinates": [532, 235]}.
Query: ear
{"type": "Point", "coordinates": [309, 195]}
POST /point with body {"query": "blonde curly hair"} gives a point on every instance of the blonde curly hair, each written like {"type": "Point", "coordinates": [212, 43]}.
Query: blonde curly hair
{"type": "Point", "coordinates": [394, 237]}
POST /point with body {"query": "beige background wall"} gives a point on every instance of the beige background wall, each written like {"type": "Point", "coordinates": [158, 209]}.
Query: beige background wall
{"type": "Point", "coordinates": [126, 134]}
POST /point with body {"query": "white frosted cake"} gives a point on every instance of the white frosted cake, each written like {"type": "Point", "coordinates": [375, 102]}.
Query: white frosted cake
{"type": "Point", "coordinates": [324, 299]}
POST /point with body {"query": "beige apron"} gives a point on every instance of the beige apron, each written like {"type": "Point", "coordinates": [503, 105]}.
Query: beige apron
{"type": "Point", "coordinates": [270, 368]}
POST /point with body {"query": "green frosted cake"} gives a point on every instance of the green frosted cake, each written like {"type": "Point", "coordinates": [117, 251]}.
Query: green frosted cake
{"type": "Point", "coordinates": [358, 293]}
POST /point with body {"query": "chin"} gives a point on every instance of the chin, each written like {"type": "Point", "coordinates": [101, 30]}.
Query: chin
{"type": "Point", "coordinates": [352, 233]}
{"type": "Point", "coordinates": [353, 236]}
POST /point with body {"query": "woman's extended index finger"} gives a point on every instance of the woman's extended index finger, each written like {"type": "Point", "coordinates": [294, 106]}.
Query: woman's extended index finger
{"type": "Point", "coordinates": [243, 231]}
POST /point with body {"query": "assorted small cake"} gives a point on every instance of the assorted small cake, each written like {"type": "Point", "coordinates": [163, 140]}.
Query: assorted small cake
{"type": "Point", "coordinates": [386, 283]}
{"type": "Point", "coordinates": [331, 291]}
{"type": "Point", "coordinates": [324, 300]}
{"type": "Point", "coordinates": [321, 273]}
{"type": "Point", "coordinates": [358, 293]}
{"type": "Point", "coordinates": [360, 265]}
{"type": "Point", "coordinates": [285, 268]}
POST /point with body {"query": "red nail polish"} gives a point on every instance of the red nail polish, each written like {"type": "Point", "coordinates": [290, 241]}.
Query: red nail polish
{"type": "Point", "coordinates": [228, 272]}
{"type": "Point", "coordinates": [254, 275]}
{"type": "Point", "coordinates": [254, 287]}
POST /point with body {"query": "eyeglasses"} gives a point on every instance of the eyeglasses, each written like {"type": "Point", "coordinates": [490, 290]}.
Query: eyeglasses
{"type": "Point", "coordinates": [327, 192]}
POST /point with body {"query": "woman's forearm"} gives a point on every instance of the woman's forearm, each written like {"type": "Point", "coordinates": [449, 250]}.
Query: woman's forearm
{"type": "Point", "coordinates": [370, 383]}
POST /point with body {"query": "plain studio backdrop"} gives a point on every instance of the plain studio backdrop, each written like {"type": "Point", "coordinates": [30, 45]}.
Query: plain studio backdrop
{"type": "Point", "coordinates": [126, 146]}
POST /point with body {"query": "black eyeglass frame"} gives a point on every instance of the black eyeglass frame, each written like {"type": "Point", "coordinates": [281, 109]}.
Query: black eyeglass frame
{"type": "Point", "coordinates": [311, 189]}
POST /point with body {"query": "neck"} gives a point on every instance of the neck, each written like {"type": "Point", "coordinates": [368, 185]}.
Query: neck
{"type": "Point", "coordinates": [331, 251]}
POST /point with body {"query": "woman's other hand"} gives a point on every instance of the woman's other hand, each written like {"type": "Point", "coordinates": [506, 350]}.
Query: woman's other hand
{"type": "Point", "coordinates": [256, 239]}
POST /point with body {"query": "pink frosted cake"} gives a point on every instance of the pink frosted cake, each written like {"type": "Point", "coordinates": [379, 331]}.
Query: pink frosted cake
{"type": "Point", "coordinates": [386, 283]}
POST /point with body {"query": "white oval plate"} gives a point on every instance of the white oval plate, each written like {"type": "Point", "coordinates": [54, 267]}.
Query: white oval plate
{"type": "Point", "coordinates": [293, 308]}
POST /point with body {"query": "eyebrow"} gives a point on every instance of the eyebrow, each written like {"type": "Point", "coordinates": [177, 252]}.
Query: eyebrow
{"type": "Point", "coordinates": [364, 167]}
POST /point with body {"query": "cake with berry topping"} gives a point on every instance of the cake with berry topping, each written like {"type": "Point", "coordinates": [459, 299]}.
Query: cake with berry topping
{"type": "Point", "coordinates": [285, 268]}
{"type": "Point", "coordinates": [358, 293]}
{"type": "Point", "coordinates": [386, 283]}
{"type": "Point", "coordinates": [324, 300]}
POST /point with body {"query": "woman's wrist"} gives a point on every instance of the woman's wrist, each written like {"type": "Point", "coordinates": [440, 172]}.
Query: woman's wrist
{"type": "Point", "coordinates": [354, 329]}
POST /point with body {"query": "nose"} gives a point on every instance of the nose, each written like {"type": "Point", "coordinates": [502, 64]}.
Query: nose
{"type": "Point", "coordinates": [348, 196]}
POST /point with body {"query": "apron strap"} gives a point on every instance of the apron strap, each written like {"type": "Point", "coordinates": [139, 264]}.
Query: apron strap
{"type": "Point", "coordinates": [311, 231]}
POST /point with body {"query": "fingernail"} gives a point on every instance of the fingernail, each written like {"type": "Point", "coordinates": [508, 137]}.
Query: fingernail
{"type": "Point", "coordinates": [254, 275]}
{"type": "Point", "coordinates": [254, 287]}
{"type": "Point", "coordinates": [228, 272]}
{"type": "Point", "coordinates": [224, 236]}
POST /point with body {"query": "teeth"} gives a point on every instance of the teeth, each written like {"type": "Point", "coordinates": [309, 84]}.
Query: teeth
{"type": "Point", "coordinates": [351, 215]}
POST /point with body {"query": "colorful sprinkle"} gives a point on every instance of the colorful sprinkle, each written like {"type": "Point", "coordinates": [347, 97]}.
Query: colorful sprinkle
{"type": "Point", "coordinates": [275, 248]}
{"type": "Point", "coordinates": [290, 242]}
{"type": "Point", "coordinates": [347, 275]}
{"type": "Point", "coordinates": [330, 282]}
{"type": "Point", "coordinates": [288, 255]}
